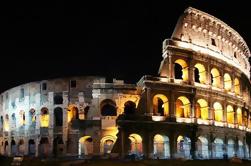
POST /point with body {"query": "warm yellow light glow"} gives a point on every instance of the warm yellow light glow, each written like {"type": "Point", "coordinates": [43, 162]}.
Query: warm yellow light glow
{"type": "Point", "coordinates": [72, 112]}
{"type": "Point", "coordinates": [239, 116]}
{"type": "Point", "coordinates": [136, 143]}
{"type": "Point", "coordinates": [22, 118]}
{"type": "Point", "coordinates": [227, 82]}
{"type": "Point", "coordinates": [182, 107]}
{"type": "Point", "coordinates": [164, 106]}
{"type": "Point", "coordinates": [107, 140]}
{"type": "Point", "coordinates": [202, 109]}
{"type": "Point", "coordinates": [202, 73]}
{"type": "Point", "coordinates": [236, 86]}
{"type": "Point", "coordinates": [44, 118]}
{"type": "Point", "coordinates": [158, 138]}
{"type": "Point", "coordinates": [216, 77]}
{"type": "Point", "coordinates": [218, 112]}
{"type": "Point", "coordinates": [184, 66]}
{"type": "Point", "coordinates": [230, 114]}
{"type": "Point", "coordinates": [6, 123]}
{"type": "Point", "coordinates": [83, 139]}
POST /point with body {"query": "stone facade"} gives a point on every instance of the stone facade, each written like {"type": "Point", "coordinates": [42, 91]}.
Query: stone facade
{"type": "Point", "coordinates": [198, 106]}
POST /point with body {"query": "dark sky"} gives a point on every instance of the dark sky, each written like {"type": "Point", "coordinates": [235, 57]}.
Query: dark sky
{"type": "Point", "coordinates": [122, 39]}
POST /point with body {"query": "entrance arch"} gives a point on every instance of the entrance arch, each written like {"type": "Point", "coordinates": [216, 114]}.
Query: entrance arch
{"type": "Point", "coordinates": [135, 144]}
{"type": "Point", "coordinates": [161, 147]}
{"type": "Point", "coordinates": [200, 73]}
{"type": "Point", "coordinates": [202, 148]}
{"type": "Point", "coordinates": [182, 107]}
{"type": "Point", "coordinates": [160, 105]}
{"type": "Point", "coordinates": [106, 144]}
{"type": "Point", "coordinates": [183, 146]}
{"type": "Point", "coordinates": [230, 148]}
{"type": "Point", "coordinates": [181, 70]}
{"type": "Point", "coordinates": [218, 148]}
{"type": "Point", "coordinates": [85, 146]}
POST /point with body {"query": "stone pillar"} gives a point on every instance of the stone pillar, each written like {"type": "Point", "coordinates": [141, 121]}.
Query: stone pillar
{"type": "Point", "coordinates": [172, 105]}
{"type": "Point", "coordinates": [209, 74]}
{"type": "Point", "coordinates": [150, 146]}
{"type": "Point", "coordinates": [173, 145]}
{"type": "Point", "coordinates": [192, 108]}
{"type": "Point", "coordinates": [190, 71]}
{"type": "Point", "coordinates": [235, 117]}
{"type": "Point", "coordinates": [171, 68]}
{"type": "Point", "coordinates": [149, 109]}
{"type": "Point", "coordinates": [225, 113]}
{"type": "Point", "coordinates": [210, 145]}
{"type": "Point", "coordinates": [145, 145]}
{"type": "Point", "coordinates": [222, 79]}
{"type": "Point", "coordinates": [122, 143]}
{"type": "Point", "coordinates": [236, 146]}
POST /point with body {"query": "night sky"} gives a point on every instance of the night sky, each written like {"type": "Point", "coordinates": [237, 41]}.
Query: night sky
{"type": "Point", "coordinates": [123, 39]}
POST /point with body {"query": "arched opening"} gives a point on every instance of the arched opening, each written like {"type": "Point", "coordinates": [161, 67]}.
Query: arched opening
{"type": "Point", "coordinates": [218, 112]}
{"type": "Point", "coordinates": [227, 82]}
{"type": "Point", "coordinates": [181, 70]}
{"type": "Point", "coordinates": [58, 116]}
{"type": "Point", "coordinates": [135, 144]}
{"type": "Point", "coordinates": [237, 88]}
{"type": "Point", "coordinates": [218, 148]}
{"type": "Point", "coordinates": [58, 146]}
{"type": "Point", "coordinates": [6, 148]}
{"type": "Point", "coordinates": [13, 147]}
{"type": "Point", "coordinates": [129, 108]}
{"type": "Point", "coordinates": [161, 147]}
{"type": "Point", "coordinates": [230, 114]}
{"type": "Point", "coordinates": [239, 116]}
{"type": "Point", "coordinates": [230, 148]}
{"type": "Point", "coordinates": [200, 73]}
{"type": "Point", "coordinates": [202, 148]}
{"type": "Point", "coordinates": [44, 117]}
{"type": "Point", "coordinates": [108, 108]}
{"type": "Point", "coordinates": [182, 107]}
{"type": "Point", "coordinates": [202, 109]}
{"type": "Point", "coordinates": [21, 147]}
{"type": "Point", "coordinates": [32, 147]}
{"type": "Point", "coordinates": [183, 146]}
{"type": "Point", "coordinates": [72, 113]}
{"type": "Point", "coordinates": [215, 78]}
{"type": "Point", "coordinates": [13, 121]}
{"type": "Point", "coordinates": [160, 105]}
{"type": "Point", "coordinates": [240, 149]}
{"type": "Point", "coordinates": [44, 147]}
{"type": "Point", "coordinates": [1, 122]}
{"type": "Point", "coordinates": [32, 117]}
{"type": "Point", "coordinates": [22, 118]}
{"type": "Point", "coordinates": [6, 123]}
{"type": "Point", "coordinates": [106, 144]}
{"type": "Point", "coordinates": [85, 146]}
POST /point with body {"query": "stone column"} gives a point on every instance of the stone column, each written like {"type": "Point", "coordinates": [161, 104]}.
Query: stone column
{"type": "Point", "coordinates": [172, 105]}
{"type": "Point", "coordinates": [173, 146]}
{"type": "Point", "coordinates": [190, 71]}
{"type": "Point", "coordinates": [225, 113]}
{"type": "Point", "coordinates": [171, 68]}
{"type": "Point", "coordinates": [149, 109]}
{"type": "Point", "coordinates": [209, 74]}
{"type": "Point", "coordinates": [210, 145]}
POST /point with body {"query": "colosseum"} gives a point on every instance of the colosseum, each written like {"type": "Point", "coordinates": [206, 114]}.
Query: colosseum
{"type": "Point", "coordinates": [196, 107]}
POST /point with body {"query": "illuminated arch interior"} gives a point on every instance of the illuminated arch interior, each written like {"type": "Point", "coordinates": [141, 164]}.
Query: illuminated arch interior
{"type": "Point", "coordinates": [218, 112]}
{"type": "Point", "coordinates": [160, 105]}
{"type": "Point", "coordinates": [230, 114]}
{"type": "Point", "coordinates": [72, 113]}
{"type": "Point", "coordinates": [236, 86]}
{"type": "Point", "coordinates": [227, 82]}
{"type": "Point", "coordinates": [183, 146]}
{"type": "Point", "coordinates": [230, 148]}
{"type": "Point", "coordinates": [136, 143]}
{"type": "Point", "coordinates": [215, 78]}
{"type": "Point", "coordinates": [106, 144]}
{"type": "Point", "coordinates": [161, 146]}
{"type": "Point", "coordinates": [239, 116]}
{"type": "Point", "coordinates": [200, 73]}
{"type": "Point", "coordinates": [184, 69]}
{"type": "Point", "coordinates": [202, 109]}
{"type": "Point", "coordinates": [44, 117]}
{"type": "Point", "coordinates": [202, 147]}
{"type": "Point", "coordinates": [85, 145]}
{"type": "Point", "coordinates": [6, 123]}
{"type": "Point", "coordinates": [22, 118]}
{"type": "Point", "coordinates": [182, 107]}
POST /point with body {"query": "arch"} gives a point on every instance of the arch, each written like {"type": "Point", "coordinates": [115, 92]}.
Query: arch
{"type": "Point", "coordinates": [129, 107]}
{"type": "Point", "coordinates": [240, 149]}
{"type": "Point", "coordinates": [230, 114]}
{"type": "Point", "coordinates": [1, 122]}
{"type": "Point", "coordinates": [181, 70]}
{"type": "Point", "coordinates": [215, 78]}
{"type": "Point", "coordinates": [108, 108]}
{"type": "Point", "coordinates": [160, 105]}
{"type": "Point", "coordinates": [44, 117]}
{"type": "Point", "coordinates": [58, 116]}
{"type": "Point", "coordinates": [13, 121]}
{"type": "Point", "coordinates": [135, 144]}
{"type": "Point", "coordinates": [202, 109]}
{"type": "Point", "coordinates": [6, 123]}
{"type": "Point", "coordinates": [183, 146]}
{"type": "Point", "coordinates": [218, 112]}
{"type": "Point", "coordinates": [44, 147]}
{"type": "Point", "coordinates": [72, 113]}
{"type": "Point", "coordinates": [161, 147]}
{"type": "Point", "coordinates": [106, 144]}
{"type": "Point", "coordinates": [200, 73]}
{"type": "Point", "coordinates": [230, 148]}
{"type": "Point", "coordinates": [22, 118]}
{"type": "Point", "coordinates": [239, 116]}
{"type": "Point", "coordinates": [13, 147]}
{"type": "Point", "coordinates": [32, 117]}
{"type": "Point", "coordinates": [31, 147]}
{"type": "Point", "coordinates": [202, 148]}
{"type": "Point", "coordinates": [227, 82]}
{"type": "Point", "coordinates": [182, 107]}
{"type": "Point", "coordinates": [237, 89]}
{"type": "Point", "coordinates": [85, 146]}
{"type": "Point", "coordinates": [218, 148]}
{"type": "Point", "coordinates": [21, 147]}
